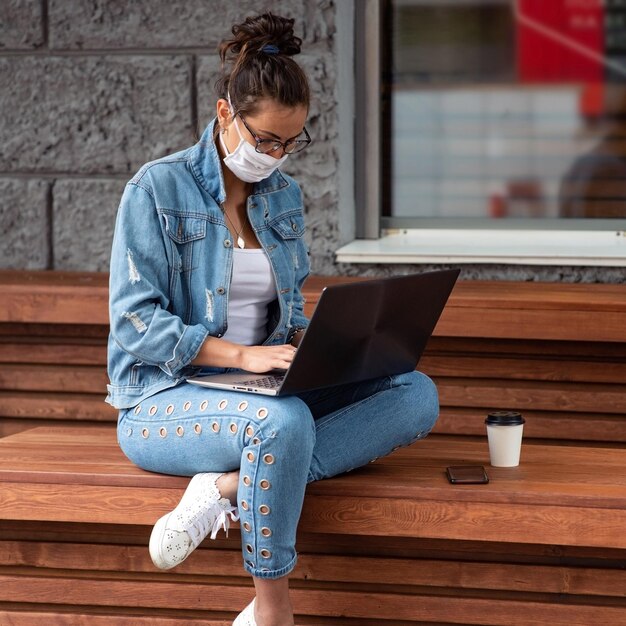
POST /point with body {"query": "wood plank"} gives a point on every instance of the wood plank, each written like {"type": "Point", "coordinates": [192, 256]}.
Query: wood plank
{"type": "Point", "coordinates": [56, 306]}
{"type": "Point", "coordinates": [55, 378]}
{"type": "Point", "coordinates": [592, 397]}
{"type": "Point", "coordinates": [512, 310]}
{"type": "Point", "coordinates": [327, 602]}
{"type": "Point", "coordinates": [54, 350]}
{"type": "Point", "coordinates": [54, 297]}
{"type": "Point", "coordinates": [52, 406]}
{"type": "Point", "coordinates": [74, 332]}
{"type": "Point", "coordinates": [556, 525]}
{"type": "Point", "coordinates": [522, 522]}
{"type": "Point", "coordinates": [10, 615]}
{"type": "Point", "coordinates": [580, 370]}
{"type": "Point", "coordinates": [556, 425]}
{"type": "Point", "coordinates": [567, 325]}
{"type": "Point", "coordinates": [33, 280]}
{"type": "Point", "coordinates": [329, 568]}
{"type": "Point", "coordinates": [11, 426]}
{"type": "Point", "coordinates": [56, 618]}
{"type": "Point", "coordinates": [548, 475]}
{"type": "Point", "coordinates": [510, 294]}
{"type": "Point", "coordinates": [535, 348]}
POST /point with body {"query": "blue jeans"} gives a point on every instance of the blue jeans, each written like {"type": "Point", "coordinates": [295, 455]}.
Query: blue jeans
{"type": "Point", "coordinates": [279, 444]}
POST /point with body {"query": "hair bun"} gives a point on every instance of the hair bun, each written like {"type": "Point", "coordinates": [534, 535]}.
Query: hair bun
{"type": "Point", "coordinates": [253, 35]}
{"type": "Point", "coordinates": [260, 55]}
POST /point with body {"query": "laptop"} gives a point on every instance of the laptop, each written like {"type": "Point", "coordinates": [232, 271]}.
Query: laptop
{"type": "Point", "coordinates": [358, 331]}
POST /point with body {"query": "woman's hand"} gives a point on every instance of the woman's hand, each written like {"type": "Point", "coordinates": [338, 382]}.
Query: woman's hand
{"type": "Point", "coordinates": [261, 359]}
{"type": "Point", "coordinates": [258, 359]}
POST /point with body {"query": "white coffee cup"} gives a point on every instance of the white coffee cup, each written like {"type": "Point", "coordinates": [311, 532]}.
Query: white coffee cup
{"type": "Point", "coordinates": [504, 433]}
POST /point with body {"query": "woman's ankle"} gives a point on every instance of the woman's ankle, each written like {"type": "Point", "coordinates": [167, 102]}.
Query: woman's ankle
{"type": "Point", "coordinates": [278, 613]}
{"type": "Point", "coordinates": [272, 606]}
{"type": "Point", "coordinates": [227, 484]}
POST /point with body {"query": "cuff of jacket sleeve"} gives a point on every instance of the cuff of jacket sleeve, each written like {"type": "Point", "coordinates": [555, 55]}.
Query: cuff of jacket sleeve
{"type": "Point", "coordinates": [293, 331]}
{"type": "Point", "coordinates": [186, 349]}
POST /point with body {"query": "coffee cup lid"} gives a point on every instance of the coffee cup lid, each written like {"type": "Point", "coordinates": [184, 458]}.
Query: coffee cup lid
{"type": "Point", "coordinates": [505, 418]}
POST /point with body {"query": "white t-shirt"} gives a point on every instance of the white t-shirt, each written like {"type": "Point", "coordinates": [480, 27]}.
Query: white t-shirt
{"type": "Point", "coordinates": [252, 288]}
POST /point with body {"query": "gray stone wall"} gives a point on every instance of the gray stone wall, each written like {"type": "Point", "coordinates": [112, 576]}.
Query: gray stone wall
{"type": "Point", "coordinates": [92, 90]}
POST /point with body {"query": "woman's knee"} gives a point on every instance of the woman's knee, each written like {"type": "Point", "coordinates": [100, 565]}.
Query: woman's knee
{"type": "Point", "coordinates": [422, 399]}
{"type": "Point", "coordinates": [289, 421]}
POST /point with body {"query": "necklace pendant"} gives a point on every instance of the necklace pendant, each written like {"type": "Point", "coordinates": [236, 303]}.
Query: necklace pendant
{"type": "Point", "coordinates": [240, 242]}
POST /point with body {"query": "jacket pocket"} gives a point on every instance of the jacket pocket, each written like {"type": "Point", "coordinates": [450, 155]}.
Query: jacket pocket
{"type": "Point", "coordinates": [289, 226]}
{"type": "Point", "coordinates": [184, 229]}
{"type": "Point", "coordinates": [184, 232]}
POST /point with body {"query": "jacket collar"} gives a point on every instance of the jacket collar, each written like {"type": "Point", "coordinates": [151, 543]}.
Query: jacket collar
{"type": "Point", "coordinates": [207, 168]}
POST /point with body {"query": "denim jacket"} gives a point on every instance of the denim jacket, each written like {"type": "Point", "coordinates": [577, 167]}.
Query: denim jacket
{"type": "Point", "coordinates": [171, 265]}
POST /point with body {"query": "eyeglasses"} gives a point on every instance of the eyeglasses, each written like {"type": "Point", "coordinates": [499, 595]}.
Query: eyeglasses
{"type": "Point", "coordinates": [267, 146]}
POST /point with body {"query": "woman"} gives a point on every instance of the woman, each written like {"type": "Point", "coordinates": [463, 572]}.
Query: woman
{"type": "Point", "coordinates": [207, 267]}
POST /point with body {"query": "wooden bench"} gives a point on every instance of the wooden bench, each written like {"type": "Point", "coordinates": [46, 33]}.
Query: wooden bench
{"type": "Point", "coordinates": [542, 543]}
{"type": "Point", "coordinates": [391, 543]}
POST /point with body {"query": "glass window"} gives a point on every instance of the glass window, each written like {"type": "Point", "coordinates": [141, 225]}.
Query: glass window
{"type": "Point", "coordinates": [503, 110]}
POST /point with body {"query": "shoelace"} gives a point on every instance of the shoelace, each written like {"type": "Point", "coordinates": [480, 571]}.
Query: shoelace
{"type": "Point", "coordinates": [222, 519]}
{"type": "Point", "coordinates": [199, 522]}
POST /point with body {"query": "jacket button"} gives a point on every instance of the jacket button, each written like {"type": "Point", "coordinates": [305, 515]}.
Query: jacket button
{"type": "Point", "coordinates": [227, 243]}
{"type": "Point", "coordinates": [294, 226]}
{"type": "Point", "coordinates": [220, 290]}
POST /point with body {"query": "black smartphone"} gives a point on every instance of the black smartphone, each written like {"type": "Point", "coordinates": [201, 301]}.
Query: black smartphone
{"type": "Point", "coordinates": [467, 475]}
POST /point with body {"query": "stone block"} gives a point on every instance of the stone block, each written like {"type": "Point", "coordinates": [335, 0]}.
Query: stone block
{"type": "Point", "coordinates": [21, 24]}
{"type": "Point", "coordinates": [150, 24]}
{"type": "Point", "coordinates": [93, 114]}
{"type": "Point", "coordinates": [84, 220]}
{"type": "Point", "coordinates": [24, 224]}
{"type": "Point", "coordinates": [207, 73]}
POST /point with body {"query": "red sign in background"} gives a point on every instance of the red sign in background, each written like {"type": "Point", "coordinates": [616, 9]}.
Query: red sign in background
{"type": "Point", "coordinates": [560, 41]}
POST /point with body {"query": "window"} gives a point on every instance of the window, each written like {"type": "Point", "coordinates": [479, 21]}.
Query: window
{"type": "Point", "coordinates": [496, 115]}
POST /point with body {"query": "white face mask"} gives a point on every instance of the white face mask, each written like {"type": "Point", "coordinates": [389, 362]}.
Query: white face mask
{"type": "Point", "coordinates": [246, 163]}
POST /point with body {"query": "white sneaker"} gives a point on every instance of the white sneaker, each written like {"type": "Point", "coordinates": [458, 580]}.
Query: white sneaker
{"type": "Point", "coordinates": [201, 509]}
{"type": "Point", "coordinates": [246, 617]}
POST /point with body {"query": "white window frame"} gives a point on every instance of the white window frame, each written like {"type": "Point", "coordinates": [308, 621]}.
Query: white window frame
{"type": "Point", "coordinates": [396, 240]}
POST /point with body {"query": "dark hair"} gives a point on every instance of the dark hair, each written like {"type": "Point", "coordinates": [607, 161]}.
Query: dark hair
{"type": "Point", "coordinates": [262, 67]}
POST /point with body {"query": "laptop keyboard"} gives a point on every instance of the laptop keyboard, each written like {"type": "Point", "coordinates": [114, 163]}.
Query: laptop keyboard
{"type": "Point", "coordinates": [266, 382]}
